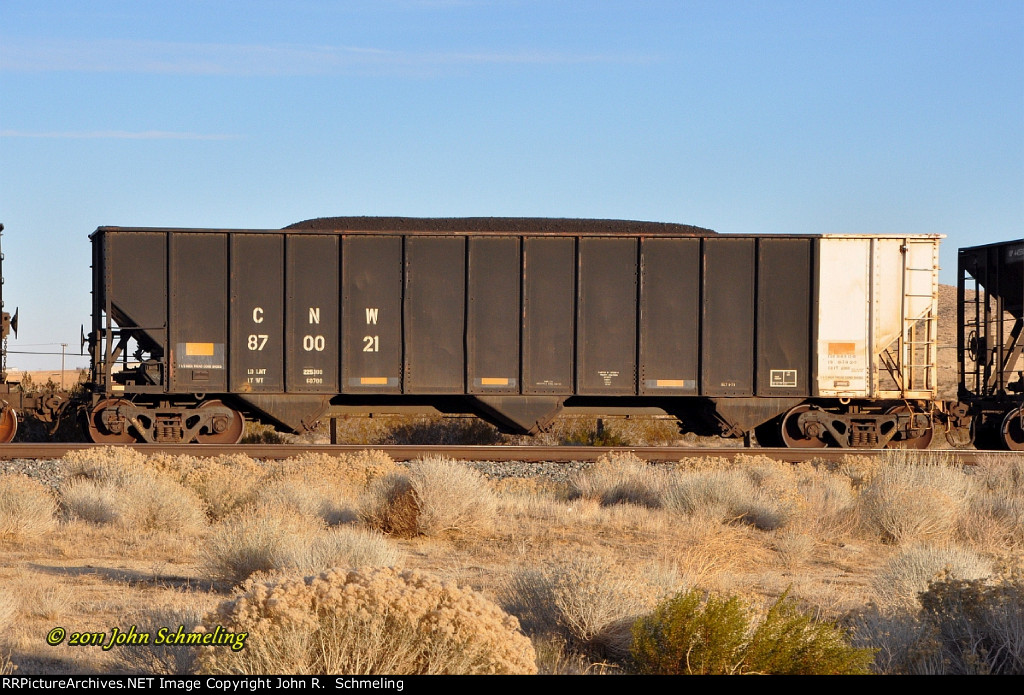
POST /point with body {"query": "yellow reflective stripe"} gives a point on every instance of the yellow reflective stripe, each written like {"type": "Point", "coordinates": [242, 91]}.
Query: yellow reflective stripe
{"type": "Point", "coordinates": [196, 349]}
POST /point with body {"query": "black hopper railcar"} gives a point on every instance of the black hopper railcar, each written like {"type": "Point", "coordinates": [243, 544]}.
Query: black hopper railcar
{"type": "Point", "coordinates": [990, 320]}
{"type": "Point", "coordinates": [799, 340]}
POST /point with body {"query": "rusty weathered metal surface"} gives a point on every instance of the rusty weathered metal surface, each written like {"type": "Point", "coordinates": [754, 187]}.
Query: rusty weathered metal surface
{"type": "Point", "coordinates": [198, 325]}
{"type": "Point", "coordinates": [785, 286]}
{"type": "Point", "coordinates": [606, 334]}
{"type": "Point", "coordinates": [727, 317]}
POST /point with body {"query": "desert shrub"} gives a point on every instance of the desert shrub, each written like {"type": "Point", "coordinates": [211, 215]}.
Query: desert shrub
{"type": "Point", "coordinates": [908, 573]}
{"type": "Point", "coordinates": [102, 461]}
{"type": "Point", "coordinates": [381, 621]}
{"type": "Point", "coordinates": [261, 539]}
{"type": "Point", "coordinates": [135, 497]}
{"type": "Point", "coordinates": [161, 659]}
{"type": "Point", "coordinates": [441, 430]}
{"type": "Point", "coordinates": [225, 483]}
{"type": "Point", "coordinates": [346, 547]}
{"type": "Point", "coordinates": [694, 634]}
{"type": "Point", "coordinates": [793, 547]}
{"type": "Point", "coordinates": [996, 516]}
{"type": "Point", "coordinates": [963, 626]}
{"type": "Point", "coordinates": [435, 496]}
{"type": "Point", "coordinates": [257, 433]}
{"type": "Point", "coordinates": [912, 498]}
{"type": "Point", "coordinates": [980, 624]}
{"type": "Point", "coordinates": [828, 501]}
{"type": "Point", "coordinates": [587, 601]}
{"type": "Point", "coordinates": [268, 539]}
{"type": "Point", "coordinates": [27, 508]}
{"type": "Point", "coordinates": [598, 436]}
{"type": "Point", "coordinates": [620, 477]}
{"type": "Point", "coordinates": [352, 470]}
{"type": "Point", "coordinates": [90, 500]}
{"type": "Point", "coordinates": [310, 496]}
{"type": "Point", "coordinates": [728, 495]}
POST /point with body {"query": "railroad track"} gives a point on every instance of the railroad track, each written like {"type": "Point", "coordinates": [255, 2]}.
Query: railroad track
{"type": "Point", "coordinates": [476, 452]}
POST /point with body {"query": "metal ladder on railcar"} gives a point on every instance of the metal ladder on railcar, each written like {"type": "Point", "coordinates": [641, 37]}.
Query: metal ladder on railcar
{"type": "Point", "coordinates": [913, 364]}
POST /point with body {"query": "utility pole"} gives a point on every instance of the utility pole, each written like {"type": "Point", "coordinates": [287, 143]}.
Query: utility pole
{"type": "Point", "coordinates": [63, 346]}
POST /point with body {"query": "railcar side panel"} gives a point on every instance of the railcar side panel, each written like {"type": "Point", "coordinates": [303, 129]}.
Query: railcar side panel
{"type": "Point", "coordinates": [549, 311]}
{"type": "Point", "coordinates": [785, 286]}
{"type": "Point", "coordinates": [670, 316]}
{"type": "Point", "coordinates": [493, 315]}
{"type": "Point", "coordinates": [199, 312]}
{"type": "Point", "coordinates": [257, 313]}
{"type": "Point", "coordinates": [728, 317]}
{"type": "Point", "coordinates": [435, 314]}
{"type": "Point", "coordinates": [607, 317]}
{"type": "Point", "coordinates": [311, 350]}
{"type": "Point", "coordinates": [136, 268]}
{"type": "Point", "coordinates": [372, 276]}
{"type": "Point", "coordinates": [843, 317]}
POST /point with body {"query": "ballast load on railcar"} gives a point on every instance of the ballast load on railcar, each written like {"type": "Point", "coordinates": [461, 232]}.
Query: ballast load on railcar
{"type": "Point", "coordinates": [806, 340]}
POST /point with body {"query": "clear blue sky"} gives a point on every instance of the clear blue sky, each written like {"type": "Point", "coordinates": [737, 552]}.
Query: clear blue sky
{"type": "Point", "coordinates": [742, 116]}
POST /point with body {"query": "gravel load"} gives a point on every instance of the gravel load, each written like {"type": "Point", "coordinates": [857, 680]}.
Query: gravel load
{"type": "Point", "coordinates": [512, 225]}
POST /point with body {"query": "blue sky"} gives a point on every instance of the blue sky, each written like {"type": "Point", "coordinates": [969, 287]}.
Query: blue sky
{"type": "Point", "coordinates": [742, 116]}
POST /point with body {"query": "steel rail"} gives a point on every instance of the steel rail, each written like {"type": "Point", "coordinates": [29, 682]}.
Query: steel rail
{"type": "Point", "coordinates": [482, 452]}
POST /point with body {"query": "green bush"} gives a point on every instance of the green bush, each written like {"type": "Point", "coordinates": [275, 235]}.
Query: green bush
{"type": "Point", "coordinates": [689, 634]}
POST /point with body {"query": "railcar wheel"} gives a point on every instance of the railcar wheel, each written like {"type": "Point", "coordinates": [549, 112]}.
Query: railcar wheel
{"type": "Point", "coordinates": [8, 424]}
{"type": "Point", "coordinates": [1013, 430]}
{"type": "Point", "coordinates": [223, 430]}
{"type": "Point", "coordinates": [109, 429]}
{"type": "Point", "coordinates": [921, 442]}
{"type": "Point", "coordinates": [796, 438]}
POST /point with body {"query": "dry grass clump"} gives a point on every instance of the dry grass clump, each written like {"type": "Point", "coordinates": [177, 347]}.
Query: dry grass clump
{"type": "Point", "coordinates": [104, 460]}
{"type": "Point", "coordinates": [355, 469]}
{"type": "Point", "coordinates": [908, 573]}
{"type": "Point", "coordinates": [587, 601]}
{"type": "Point", "coordinates": [381, 621]}
{"type": "Point", "coordinates": [442, 430]}
{"type": "Point", "coordinates": [161, 659]}
{"type": "Point", "coordinates": [915, 498]}
{"type": "Point", "coordinates": [793, 547]}
{"type": "Point", "coordinates": [27, 508]}
{"type": "Point", "coordinates": [620, 477]}
{"type": "Point", "coordinates": [436, 495]}
{"type": "Point", "coordinates": [268, 539]}
{"type": "Point", "coordinates": [727, 495]}
{"type": "Point", "coordinates": [261, 539]}
{"type": "Point", "coordinates": [225, 483]}
{"type": "Point", "coordinates": [41, 596]}
{"type": "Point", "coordinates": [346, 547]}
{"type": "Point", "coordinates": [132, 495]}
{"type": "Point", "coordinates": [996, 515]}
{"type": "Point", "coordinates": [8, 609]}
{"type": "Point", "coordinates": [311, 496]}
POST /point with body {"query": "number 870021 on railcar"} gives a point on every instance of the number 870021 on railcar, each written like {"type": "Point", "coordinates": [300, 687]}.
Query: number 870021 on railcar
{"type": "Point", "coordinates": [806, 340]}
